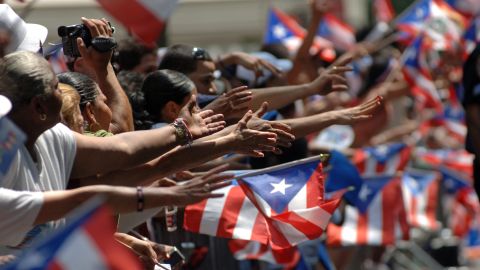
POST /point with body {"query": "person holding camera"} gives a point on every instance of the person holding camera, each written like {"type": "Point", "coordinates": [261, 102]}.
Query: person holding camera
{"type": "Point", "coordinates": [88, 48]}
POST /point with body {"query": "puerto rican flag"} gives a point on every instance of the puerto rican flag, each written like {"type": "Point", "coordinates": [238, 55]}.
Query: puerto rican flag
{"type": "Point", "coordinates": [383, 159]}
{"type": "Point", "coordinates": [434, 18]}
{"type": "Point", "coordinates": [251, 250]}
{"type": "Point", "coordinates": [281, 28]}
{"type": "Point", "coordinates": [381, 221]}
{"type": "Point", "coordinates": [418, 76]}
{"type": "Point", "coordinates": [144, 18]}
{"type": "Point", "coordinates": [86, 243]}
{"type": "Point", "coordinates": [280, 206]}
{"type": "Point", "coordinates": [383, 10]}
{"type": "Point", "coordinates": [291, 198]}
{"type": "Point", "coordinates": [456, 160]}
{"type": "Point", "coordinates": [420, 193]}
{"type": "Point", "coordinates": [461, 202]}
{"type": "Point", "coordinates": [338, 32]}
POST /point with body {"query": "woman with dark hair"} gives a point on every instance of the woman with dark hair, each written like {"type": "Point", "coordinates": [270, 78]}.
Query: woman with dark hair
{"type": "Point", "coordinates": [95, 111]}
{"type": "Point", "coordinates": [166, 92]}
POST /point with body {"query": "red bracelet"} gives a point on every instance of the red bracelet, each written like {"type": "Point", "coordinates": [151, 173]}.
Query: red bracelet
{"type": "Point", "coordinates": [140, 199]}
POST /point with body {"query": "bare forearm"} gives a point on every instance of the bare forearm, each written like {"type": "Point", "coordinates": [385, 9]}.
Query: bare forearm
{"type": "Point", "coordinates": [303, 126]}
{"type": "Point", "coordinates": [117, 101]}
{"type": "Point", "coordinates": [279, 97]}
{"type": "Point", "coordinates": [120, 199]}
{"type": "Point", "coordinates": [103, 155]}
{"type": "Point", "coordinates": [178, 159]}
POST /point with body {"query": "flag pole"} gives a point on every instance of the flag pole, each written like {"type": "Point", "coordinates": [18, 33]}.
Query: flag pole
{"type": "Point", "coordinates": [321, 157]}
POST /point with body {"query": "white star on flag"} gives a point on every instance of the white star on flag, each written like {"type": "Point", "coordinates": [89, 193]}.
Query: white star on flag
{"type": "Point", "coordinates": [280, 187]}
{"type": "Point", "coordinates": [364, 192]}
{"type": "Point", "coordinates": [279, 31]}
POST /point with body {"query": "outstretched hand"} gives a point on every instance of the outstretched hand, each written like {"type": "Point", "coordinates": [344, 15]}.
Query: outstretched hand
{"type": "Point", "coordinates": [252, 142]}
{"type": "Point", "coordinates": [235, 102]}
{"type": "Point", "coordinates": [201, 123]}
{"type": "Point", "coordinates": [199, 188]}
{"type": "Point", "coordinates": [358, 113]}
{"type": "Point", "coordinates": [255, 64]}
{"type": "Point", "coordinates": [283, 131]}
{"type": "Point", "coordinates": [330, 80]}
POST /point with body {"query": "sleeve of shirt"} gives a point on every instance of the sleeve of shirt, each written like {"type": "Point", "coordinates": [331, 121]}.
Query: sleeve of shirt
{"type": "Point", "coordinates": [68, 148]}
{"type": "Point", "coordinates": [18, 214]}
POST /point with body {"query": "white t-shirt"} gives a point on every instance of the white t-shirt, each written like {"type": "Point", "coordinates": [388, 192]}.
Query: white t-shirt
{"type": "Point", "coordinates": [19, 211]}
{"type": "Point", "coordinates": [56, 150]}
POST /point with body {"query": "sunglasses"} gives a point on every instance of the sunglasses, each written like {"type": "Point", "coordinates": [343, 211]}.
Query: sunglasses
{"type": "Point", "coordinates": [200, 54]}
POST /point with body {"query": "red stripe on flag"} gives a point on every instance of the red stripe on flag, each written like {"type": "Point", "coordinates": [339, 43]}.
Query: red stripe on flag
{"type": "Point", "coordinates": [54, 266]}
{"type": "Point", "coordinates": [390, 209]}
{"type": "Point", "coordinates": [413, 212]}
{"type": "Point", "coordinates": [136, 17]}
{"type": "Point", "coordinates": [303, 225]}
{"type": "Point", "coordinates": [192, 217]}
{"type": "Point", "coordinates": [260, 230]}
{"type": "Point", "coordinates": [432, 192]}
{"type": "Point", "coordinates": [101, 228]}
{"type": "Point", "coordinates": [362, 228]}
{"type": "Point", "coordinates": [359, 159]}
{"type": "Point", "coordinates": [315, 187]}
{"type": "Point", "coordinates": [231, 209]}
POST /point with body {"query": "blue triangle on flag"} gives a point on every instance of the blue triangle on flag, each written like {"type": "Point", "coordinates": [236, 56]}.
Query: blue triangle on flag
{"type": "Point", "coordinates": [370, 188]}
{"type": "Point", "coordinates": [417, 14]}
{"type": "Point", "coordinates": [453, 182]}
{"type": "Point", "coordinates": [277, 30]}
{"type": "Point", "coordinates": [417, 182]}
{"type": "Point", "coordinates": [342, 174]}
{"type": "Point", "coordinates": [384, 153]}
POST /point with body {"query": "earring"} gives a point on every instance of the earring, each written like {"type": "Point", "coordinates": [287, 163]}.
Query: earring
{"type": "Point", "coordinates": [85, 125]}
{"type": "Point", "coordinates": [43, 117]}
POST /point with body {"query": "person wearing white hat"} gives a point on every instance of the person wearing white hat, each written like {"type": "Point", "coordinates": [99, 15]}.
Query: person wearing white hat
{"type": "Point", "coordinates": [22, 36]}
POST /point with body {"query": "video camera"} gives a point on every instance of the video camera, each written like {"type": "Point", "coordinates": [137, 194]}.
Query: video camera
{"type": "Point", "coordinates": [69, 35]}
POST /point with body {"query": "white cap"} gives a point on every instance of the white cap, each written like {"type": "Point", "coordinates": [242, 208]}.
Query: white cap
{"type": "Point", "coordinates": [5, 106]}
{"type": "Point", "coordinates": [24, 36]}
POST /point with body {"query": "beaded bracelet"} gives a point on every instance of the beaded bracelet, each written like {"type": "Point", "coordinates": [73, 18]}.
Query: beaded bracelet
{"type": "Point", "coordinates": [140, 199]}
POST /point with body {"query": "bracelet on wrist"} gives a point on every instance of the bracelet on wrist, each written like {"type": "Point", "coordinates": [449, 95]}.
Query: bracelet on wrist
{"type": "Point", "coordinates": [140, 199]}
{"type": "Point", "coordinates": [182, 132]}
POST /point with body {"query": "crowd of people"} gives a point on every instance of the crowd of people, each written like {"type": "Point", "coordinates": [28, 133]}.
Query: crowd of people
{"type": "Point", "coordinates": [151, 132]}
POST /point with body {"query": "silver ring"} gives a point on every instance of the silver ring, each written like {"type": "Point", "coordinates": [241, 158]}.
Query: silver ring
{"type": "Point", "coordinates": [206, 187]}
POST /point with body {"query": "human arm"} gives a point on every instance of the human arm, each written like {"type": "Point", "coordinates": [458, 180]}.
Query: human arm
{"type": "Point", "coordinates": [99, 62]}
{"type": "Point", "coordinates": [102, 155]}
{"type": "Point", "coordinates": [302, 62]}
{"type": "Point", "coordinates": [150, 253]}
{"type": "Point", "coordinates": [56, 204]}
{"type": "Point", "coordinates": [278, 97]}
{"type": "Point", "coordinates": [240, 140]}
{"type": "Point", "coordinates": [305, 125]}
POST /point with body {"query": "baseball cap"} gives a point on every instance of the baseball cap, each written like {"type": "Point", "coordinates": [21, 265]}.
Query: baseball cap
{"type": "Point", "coordinates": [5, 106]}
{"type": "Point", "coordinates": [24, 36]}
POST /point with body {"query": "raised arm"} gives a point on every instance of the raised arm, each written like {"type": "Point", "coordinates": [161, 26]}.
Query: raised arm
{"type": "Point", "coordinates": [302, 63]}
{"type": "Point", "coordinates": [117, 100]}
